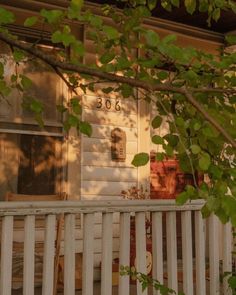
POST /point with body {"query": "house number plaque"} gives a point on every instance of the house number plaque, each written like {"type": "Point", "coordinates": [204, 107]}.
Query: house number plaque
{"type": "Point", "coordinates": [108, 104]}
{"type": "Point", "coordinates": [118, 145]}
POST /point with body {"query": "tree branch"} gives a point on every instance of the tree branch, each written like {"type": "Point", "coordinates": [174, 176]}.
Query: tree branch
{"type": "Point", "coordinates": [82, 69]}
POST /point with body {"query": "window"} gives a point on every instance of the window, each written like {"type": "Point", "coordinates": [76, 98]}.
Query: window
{"type": "Point", "coordinates": [31, 158]}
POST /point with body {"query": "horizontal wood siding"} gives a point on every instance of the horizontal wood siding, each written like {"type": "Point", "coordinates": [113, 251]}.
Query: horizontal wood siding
{"type": "Point", "coordinates": [101, 177]}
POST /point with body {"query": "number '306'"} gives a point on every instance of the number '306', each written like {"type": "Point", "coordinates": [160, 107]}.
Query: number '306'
{"type": "Point", "coordinates": [108, 104]}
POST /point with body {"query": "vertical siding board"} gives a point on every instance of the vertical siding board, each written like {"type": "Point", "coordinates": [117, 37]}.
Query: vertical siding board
{"type": "Point", "coordinates": [171, 250]}
{"type": "Point", "coordinates": [214, 255]}
{"type": "Point", "coordinates": [88, 254]}
{"type": "Point", "coordinates": [48, 256]}
{"type": "Point", "coordinates": [6, 255]}
{"type": "Point", "coordinates": [140, 241]}
{"type": "Point", "coordinates": [124, 259]}
{"type": "Point", "coordinates": [29, 248]}
{"type": "Point", "coordinates": [187, 252]}
{"type": "Point", "coordinates": [157, 250]}
{"type": "Point", "coordinates": [69, 240]}
{"type": "Point", "coordinates": [227, 255]}
{"type": "Point", "coordinates": [200, 254]}
{"type": "Point", "coordinates": [106, 283]}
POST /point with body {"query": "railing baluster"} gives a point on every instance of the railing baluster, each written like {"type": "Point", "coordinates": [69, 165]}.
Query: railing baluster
{"type": "Point", "coordinates": [106, 284]}
{"type": "Point", "coordinates": [214, 255]}
{"type": "Point", "coordinates": [29, 247]}
{"type": "Point", "coordinates": [88, 254]}
{"type": "Point", "coordinates": [187, 253]}
{"type": "Point", "coordinates": [227, 255]}
{"type": "Point", "coordinates": [140, 240]}
{"type": "Point", "coordinates": [200, 254]}
{"type": "Point", "coordinates": [48, 256]}
{"type": "Point", "coordinates": [69, 241]}
{"type": "Point", "coordinates": [124, 251]}
{"type": "Point", "coordinates": [6, 255]}
{"type": "Point", "coordinates": [157, 251]}
{"type": "Point", "coordinates": [171, 250]}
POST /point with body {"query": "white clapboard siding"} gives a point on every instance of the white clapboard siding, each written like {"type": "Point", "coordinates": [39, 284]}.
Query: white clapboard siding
{"type": "Point", "coordinates": [109, 174]}
{"type": "Point", "coordinates": [110, 118]}
{"type": "Point", "coordinates": [127, 106]}
{"type": "Point", "coordinates": [6, 255]}
{"type": "Point", "coordinates": [104, 131]}
{"type": "Point", "coordinates": [101, 145]}
{"type": "Point", "coordinates": [104, 160]}
{"type": "Point", "coordinates": [105, 188]}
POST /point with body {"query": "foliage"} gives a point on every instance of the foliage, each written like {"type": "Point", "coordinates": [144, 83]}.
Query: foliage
{"type": "Point", "coordinates": [193, 91]}
{"type": "Point", "coordinates": [146, 281]}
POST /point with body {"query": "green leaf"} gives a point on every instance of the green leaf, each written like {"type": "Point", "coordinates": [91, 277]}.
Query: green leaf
{"type": "Point", "coordinates": [157, 139]}
{"type": "Point", "coordinates": [204, 161]}
{"type": "Point", "coordinates": [190, 6]}
{"type": "Point", "coordinates": [1, 69]}
{"type": "Point", "coordinates": [126, 90]}
{"type": "Point", "coordinates": [232, 282]}
{"type": "Point", "coordinates": [156, 122]}
{"type": "Point", "coordinates": [195, 149]}
{"type": "Point", "coordinates": [6, 17]}
{"type": "Point", "coordinates": [151, 4]}
{"type": "Point", "coordinates": [172, 139]}
{"type": "Point", "coordinates": [175, 3]}
{"type": "Point", "coordinates": [111, 32]}
{"type": "Point", "coordinates": [107, 57]}
{"type": "Point", "coordinates": [231, 39]}
{"type": "Point", "coordinates": [78, 47]}
{"type": "Point", "coordinates": [4, 89]}
{"type": "Point", "coordinates": [163, 75]}
{"type": "Point", "coordinates": [169, 39]}
{"type": "Point", "coordinates": [205, 211]}
{"type": "Point", "coordinates": [30, 21]}
{"type": "Point", "coordinates": [73, 120]}
{"type": "Point", "coordinates": [160, 157]}
{"type": "Point", "coordinates": [85, 128]}
{"type": "Point", "coordinates": [216, 14]}
{"type": "Point", "coordinates": [152, 38]}
{"type": "Point", "coordinates": [140, 159]}
{"type": "Point", "coordinates": [52, 16]}
{"type": "Point", "coordinates": [182, 198]}
{"type": "Point", "coordinates": [36, 106]}
{"type": "Point", "coordinates": [18, 55]}
{"type": "Point", "coordinates": [76, 107]}
{"type": "Point", "coordinates": [25, 82]}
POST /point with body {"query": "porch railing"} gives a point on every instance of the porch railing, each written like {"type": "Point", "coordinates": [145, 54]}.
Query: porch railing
{"type": "Point", "coordinates": [198, 275]}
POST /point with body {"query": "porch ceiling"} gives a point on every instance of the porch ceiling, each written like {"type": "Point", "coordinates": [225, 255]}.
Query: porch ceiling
{"type": "Point", "coordinates": [226, 23]}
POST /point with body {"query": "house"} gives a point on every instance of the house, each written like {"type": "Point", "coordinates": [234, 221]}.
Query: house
{"type": "Point", "coordinates": [36, 162]}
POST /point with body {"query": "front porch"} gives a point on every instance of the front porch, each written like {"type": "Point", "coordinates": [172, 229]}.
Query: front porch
{"type": "Point", "coordinates": [186, 252]}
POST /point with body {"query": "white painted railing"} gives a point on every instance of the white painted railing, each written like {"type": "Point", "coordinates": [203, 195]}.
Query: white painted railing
{"type": "Point", "coordinates": [191, 272]}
